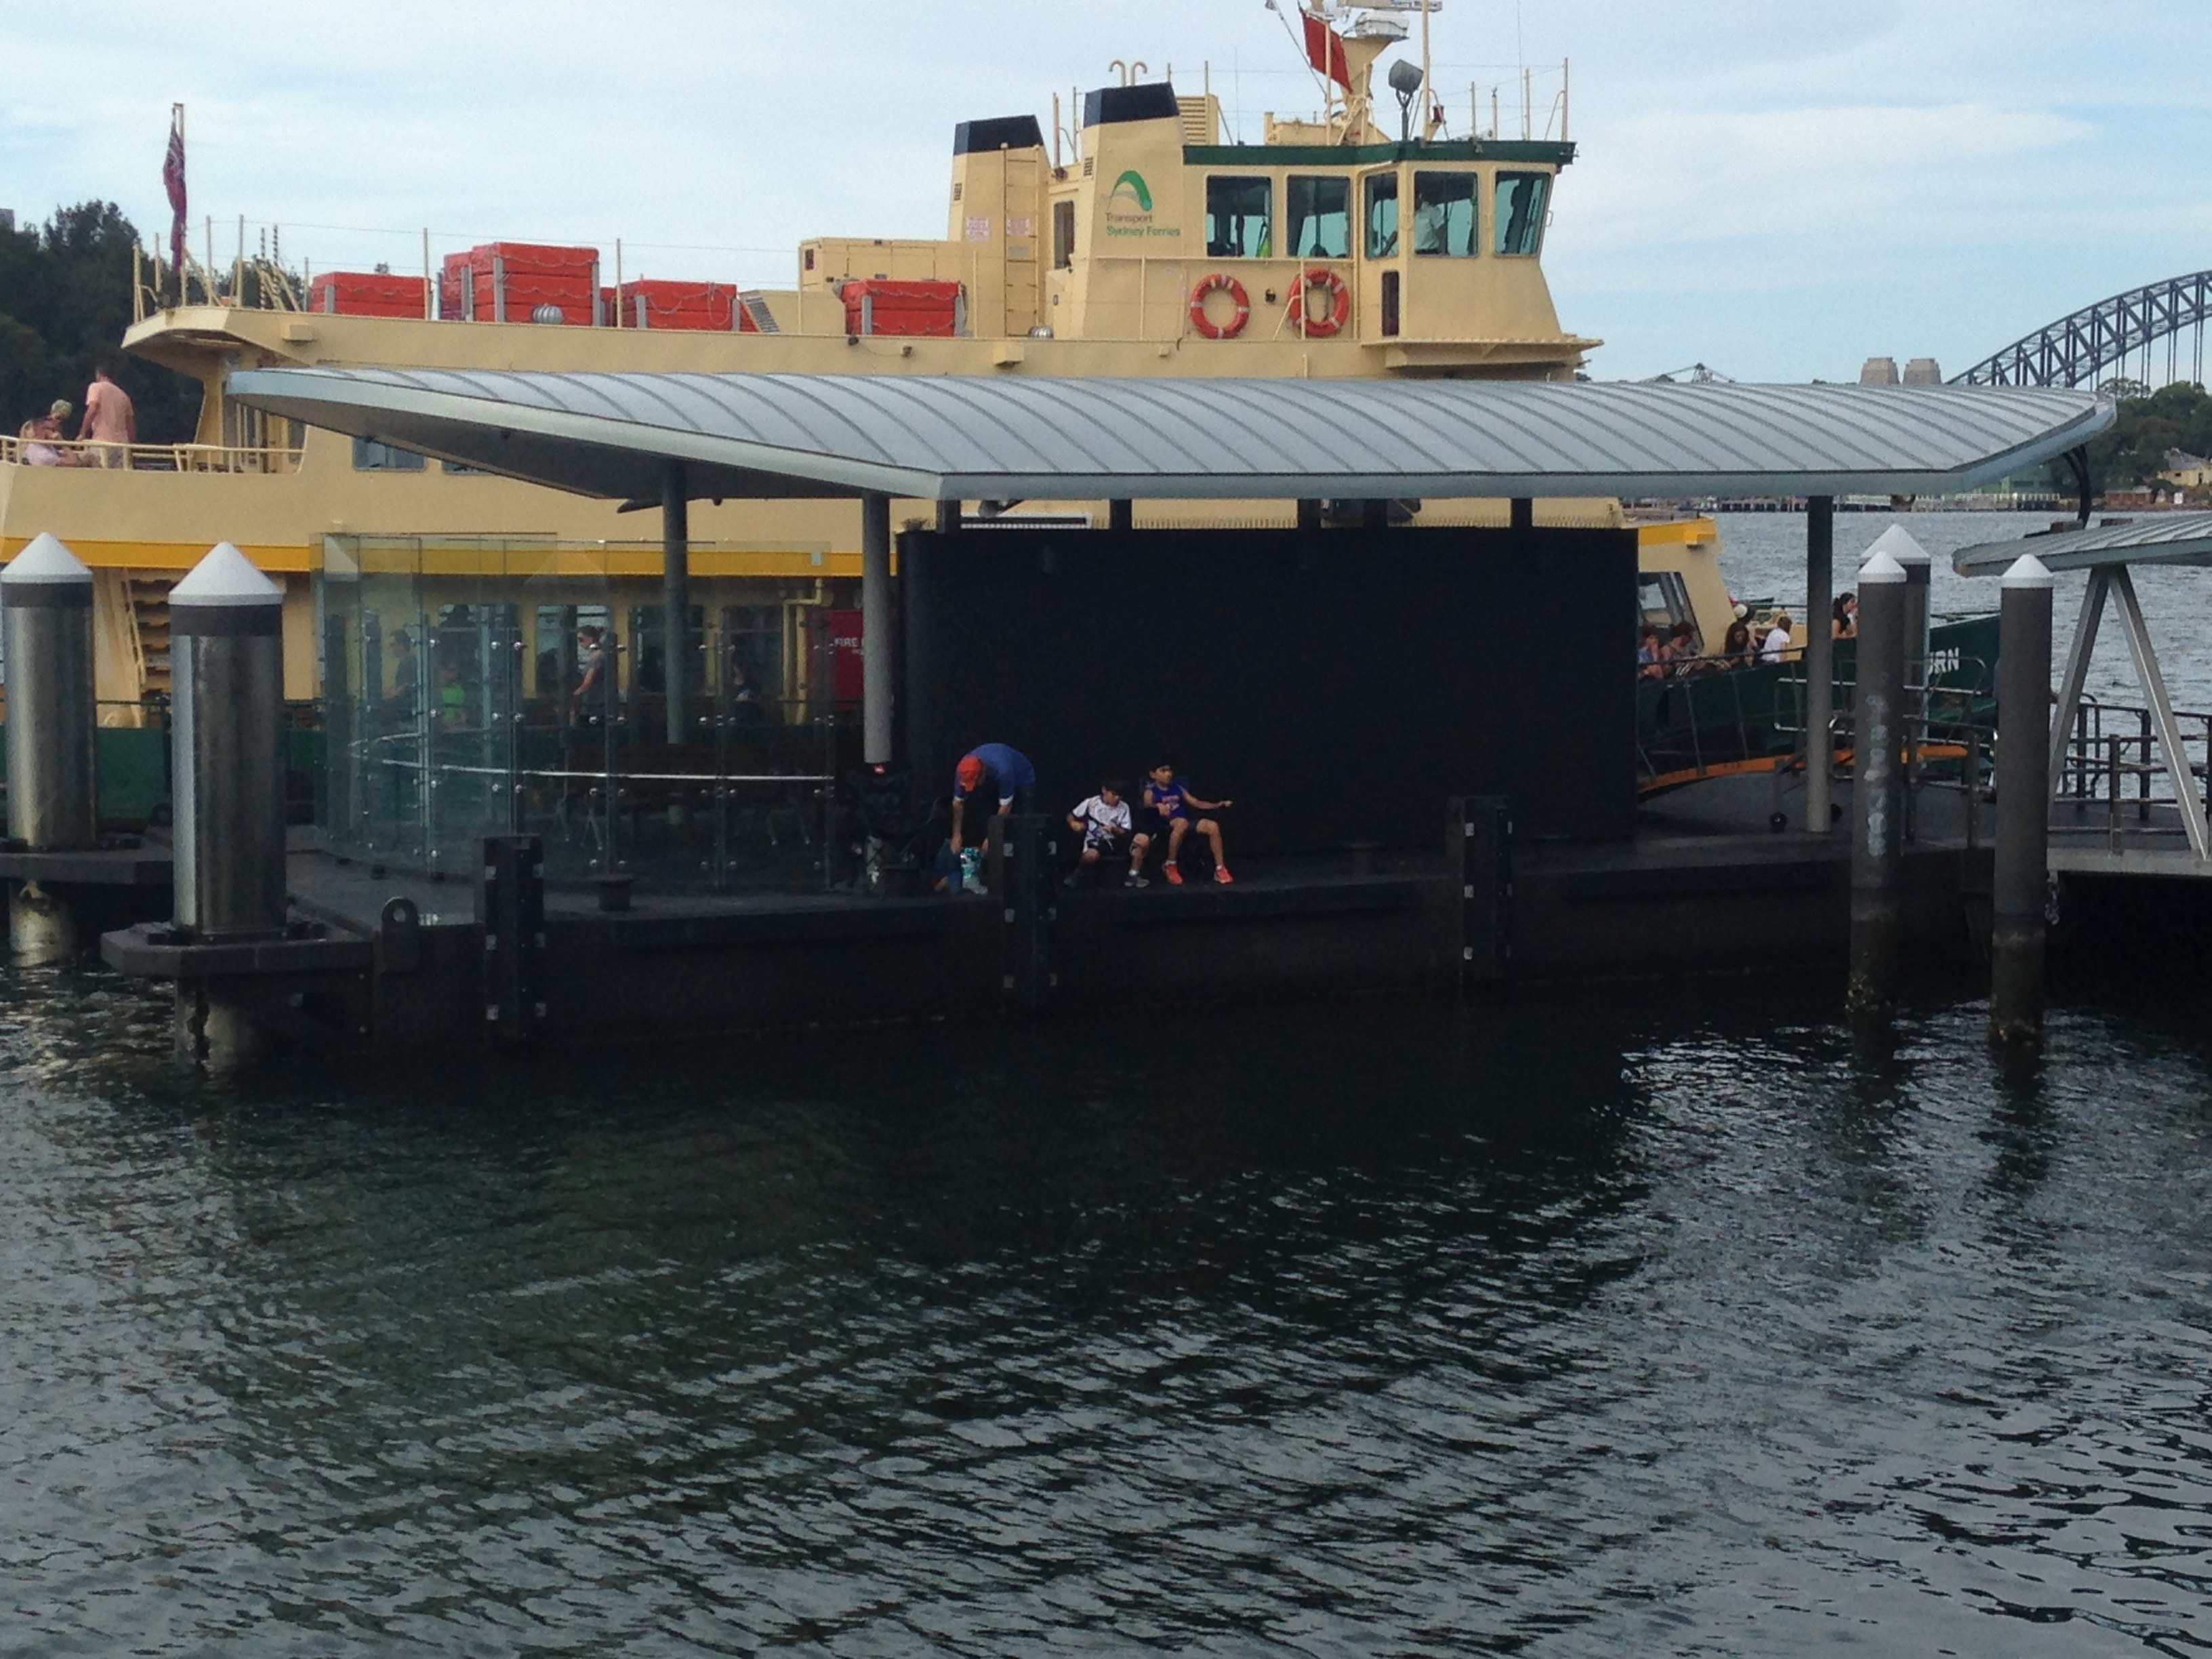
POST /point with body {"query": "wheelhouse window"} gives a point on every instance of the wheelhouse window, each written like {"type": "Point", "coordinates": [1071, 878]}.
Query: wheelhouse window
{"type": "Point", "coordinates": [1381, 215]}
{"type": "Point", "coordinates": [370, 456]}
{"type": "Point", "coordinates": [1321, 217]}
{"type": "Point", "coordinates": [1444, 214]}
{"type": "Point", "coordinates": [1239, 214]}
{"type": "Point", "coordinates": [1518, 212]}
{"type": "Point", "coordinates": [1063, 235]}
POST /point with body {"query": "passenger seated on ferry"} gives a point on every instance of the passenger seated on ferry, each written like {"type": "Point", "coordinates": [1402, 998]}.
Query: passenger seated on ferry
{"type": "Point", "coordinates": [1168, 805]}
{"type": "Point", "coordinates": [36, 450]}
{"type": "Point", "coordinates": [1776, 646]}
{"type": "Point", "coordinates": [1682, 654]}
{"type": "Point", "coordinates": [1006, 771]}
{"type": "Point", "coordinates": [1735, 648]}
{"type": "Point", "coordinates": [42, 439]}
{"type": "Point", "coordinates": [1844, 621]}
{"type": "Point", "coordinates": [1107, 829]}
{"type": "Point", "coordinates": [1650, 655]}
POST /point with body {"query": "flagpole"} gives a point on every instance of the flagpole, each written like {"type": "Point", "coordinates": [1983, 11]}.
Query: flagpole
{"type": "Point", "coordinates": [1428, 91]}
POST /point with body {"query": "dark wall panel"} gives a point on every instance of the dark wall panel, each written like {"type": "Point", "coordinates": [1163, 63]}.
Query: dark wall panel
{"type": "Point", "coordinates": [1339, 685]}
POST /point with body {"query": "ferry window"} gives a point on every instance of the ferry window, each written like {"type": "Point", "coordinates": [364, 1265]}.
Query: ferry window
{"type": "Point", "coordinates": [1063, 235]}
{"type": "Point", "coordinates": [1321, 218]}
{"type": "Point", "coordinates": [1381, 215]}
{"type": "Point", "coordinates": [370, 456]}
{"type": "Point", "coordinates": [1238, 215]}
{"type": "Point", "coordinates": [1443, 213]}
{"type": "Point", "coordinates": [1664, 598]}
{"type": "Point", "coordinates": [461, 472]}
{"type": "Point", "coordinates": [1519, 212]}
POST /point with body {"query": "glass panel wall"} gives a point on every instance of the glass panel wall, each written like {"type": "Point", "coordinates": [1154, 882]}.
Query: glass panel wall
{"type": "Point", "coordinates": [489, 685]}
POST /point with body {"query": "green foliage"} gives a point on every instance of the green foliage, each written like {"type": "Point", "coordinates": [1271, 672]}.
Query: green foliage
{"type": "Point", "coordinates": [65, 304]}
{"type": "Point", "coordinates": [2132, 450]}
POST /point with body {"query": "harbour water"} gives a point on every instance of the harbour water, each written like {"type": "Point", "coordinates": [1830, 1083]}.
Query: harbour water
{"type": "Point", "coordinates": [1656, 1323]}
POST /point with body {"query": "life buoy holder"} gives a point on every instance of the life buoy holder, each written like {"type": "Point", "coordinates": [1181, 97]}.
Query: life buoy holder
{"type": "Point", "coordinates": [1340, 304]}
{"type": "Point", "coordinates": [1220, 283]}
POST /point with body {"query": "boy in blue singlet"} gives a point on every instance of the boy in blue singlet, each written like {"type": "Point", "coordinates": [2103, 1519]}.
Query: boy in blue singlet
{"type": "Point", "coordinates": [1170, 804]}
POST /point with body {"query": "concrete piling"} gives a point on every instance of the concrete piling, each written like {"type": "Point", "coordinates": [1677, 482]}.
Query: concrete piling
{"type": "Point", "coordinates": [227, 758]}
{"type": "Point", "coordinates": [1819, 661]}
{"type": "Point", "coordinates": [676, 670]}
{"type": "Point", "coordinates": [2023, 830]}
{"type": "Point", "coordinates": [875, 629]}
{"type": "Point", "coordinates": [1878, 806]}
{"type": "Point", "coordinates": [45, 610]}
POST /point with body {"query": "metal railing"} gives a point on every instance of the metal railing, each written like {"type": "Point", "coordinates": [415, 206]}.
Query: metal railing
{"type": "Point", "coordinates": [2111, 756]}
{"type": "Point", "coordinates": [741, 804]}
{"type": "Point", "coordinates": [73, 453]}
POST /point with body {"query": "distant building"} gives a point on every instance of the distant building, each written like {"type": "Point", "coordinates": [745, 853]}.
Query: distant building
{"type": "Point", "coordinates": [1922, 371]}
{"type": "Point", "coordinates": [2185, 471]}
{"type": "Point", "coordinates": [1878, 371]}
{"type": "Point", "coordinates": [7, 218]}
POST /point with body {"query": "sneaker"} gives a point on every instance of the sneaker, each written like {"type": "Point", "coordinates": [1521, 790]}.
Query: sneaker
{"type": "Point", "coordinates": [1132, 879]}
{"type": "Point", "coordinates": [1221, 874]}
{"type": "Point", "coordinates": [1175, 876]}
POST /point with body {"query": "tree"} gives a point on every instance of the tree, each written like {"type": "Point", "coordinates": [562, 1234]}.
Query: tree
{"type": "Point", "coordinates": [65, 304]}
{"type": "Point", "coordinates": [2131, 451]}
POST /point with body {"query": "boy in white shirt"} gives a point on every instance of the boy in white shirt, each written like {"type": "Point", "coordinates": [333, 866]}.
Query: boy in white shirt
{"type": "Point", "coordinates": [1104, 823]}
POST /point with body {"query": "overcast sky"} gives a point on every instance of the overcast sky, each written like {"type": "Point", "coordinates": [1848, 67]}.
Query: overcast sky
{"type": "Point", "coordinates": [1778, 190]}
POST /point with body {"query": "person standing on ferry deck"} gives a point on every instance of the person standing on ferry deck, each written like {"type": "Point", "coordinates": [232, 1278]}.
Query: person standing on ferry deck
{"type": "Point", "coordinates": [110, 421]}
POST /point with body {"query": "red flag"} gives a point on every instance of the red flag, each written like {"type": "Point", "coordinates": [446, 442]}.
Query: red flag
{"type": "Point", "coordinates": [173, 180]}
{"type": "Point", "coordinates": [1325, 50]}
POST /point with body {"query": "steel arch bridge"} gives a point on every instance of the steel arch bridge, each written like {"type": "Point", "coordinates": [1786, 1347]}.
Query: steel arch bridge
{"type": "Point", "coordinates": [2082, 350]}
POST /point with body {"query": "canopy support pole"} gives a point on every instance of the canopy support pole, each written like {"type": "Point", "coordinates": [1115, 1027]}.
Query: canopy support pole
{"type": "Point", "coordinates": [2152, 683]}
{"type": "Point", "coordinates": [2077, 672]}
{"type": "Point", "coordinates": [1819, 661]}
{"type": "Point", "coordinates": [875, 629]}
{"type": "Point", "coordinates": [676, 595]}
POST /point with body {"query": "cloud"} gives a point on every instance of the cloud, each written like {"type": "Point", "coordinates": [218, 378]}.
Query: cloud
{"type": "Point", "coordinates": [1780, 190]}
{"type": "Point", "coordinates": [1799, 194]}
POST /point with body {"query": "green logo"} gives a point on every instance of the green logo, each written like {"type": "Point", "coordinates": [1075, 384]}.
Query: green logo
{"type": "Point", "coordinates": [1134, 182]}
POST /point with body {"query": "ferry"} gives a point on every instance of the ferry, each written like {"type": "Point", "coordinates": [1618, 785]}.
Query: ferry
{"type": "Point", "coordinates": [1127, 233]}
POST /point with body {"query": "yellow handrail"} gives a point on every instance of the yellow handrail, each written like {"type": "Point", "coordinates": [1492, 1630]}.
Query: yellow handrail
{"type": "Point", "coordinates": [148, 457]}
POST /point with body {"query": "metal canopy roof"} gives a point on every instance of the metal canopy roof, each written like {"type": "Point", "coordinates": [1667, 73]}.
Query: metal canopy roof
{"type": "Point", "coordinates": [2153, 538]}
{"type": "Point", "coordinates": [1024, 437]}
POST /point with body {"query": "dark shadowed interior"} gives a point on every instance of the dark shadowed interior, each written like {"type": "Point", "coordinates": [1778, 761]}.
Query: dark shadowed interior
{"type": "Point", "coordinates": [1340, 686]}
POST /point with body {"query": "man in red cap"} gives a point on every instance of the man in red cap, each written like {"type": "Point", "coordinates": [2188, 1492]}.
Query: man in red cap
{"type": "Point", "coordinates": [1006, 770]}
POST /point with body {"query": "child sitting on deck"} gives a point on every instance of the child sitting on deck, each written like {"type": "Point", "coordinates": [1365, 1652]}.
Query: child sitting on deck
{"type": "Point", "coordinates": [1104, 823]}
{"type": "Point", "coordinates": [1169, 804]}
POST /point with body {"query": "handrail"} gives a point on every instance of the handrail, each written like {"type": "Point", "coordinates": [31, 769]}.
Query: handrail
{"type": "Point", "coordinates": [93, 455]}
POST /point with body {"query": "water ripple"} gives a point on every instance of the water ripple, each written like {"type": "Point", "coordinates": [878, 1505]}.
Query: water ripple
{"type": "Point", "coordinates": [1645, 1324]}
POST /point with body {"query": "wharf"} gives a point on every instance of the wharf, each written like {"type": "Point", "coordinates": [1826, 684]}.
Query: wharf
{"type": "Point", "coordinates": [395, 961]}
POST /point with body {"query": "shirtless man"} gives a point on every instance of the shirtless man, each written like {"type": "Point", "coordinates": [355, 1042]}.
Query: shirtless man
{"type": "Point", "coordinates": [110, 421]}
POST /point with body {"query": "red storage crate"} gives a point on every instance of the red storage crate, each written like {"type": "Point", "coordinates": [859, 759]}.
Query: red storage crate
{"type": "Point", "coordinates": [698, 305]}
{"type": "Point", "coordinates": [877, 305]}
{"type": "Point", "coordinates": [509, 282]}
{"type": "Point", "coordinates": [366, 294]}
{"type": "Point", "coordinates": [452, 286]}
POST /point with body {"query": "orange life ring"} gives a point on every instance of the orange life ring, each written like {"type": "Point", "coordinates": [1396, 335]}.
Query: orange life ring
{"type": "Point", "coordinates": [1340, 304]}
{"type": "Point", "coordinates": [1220, 283]}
